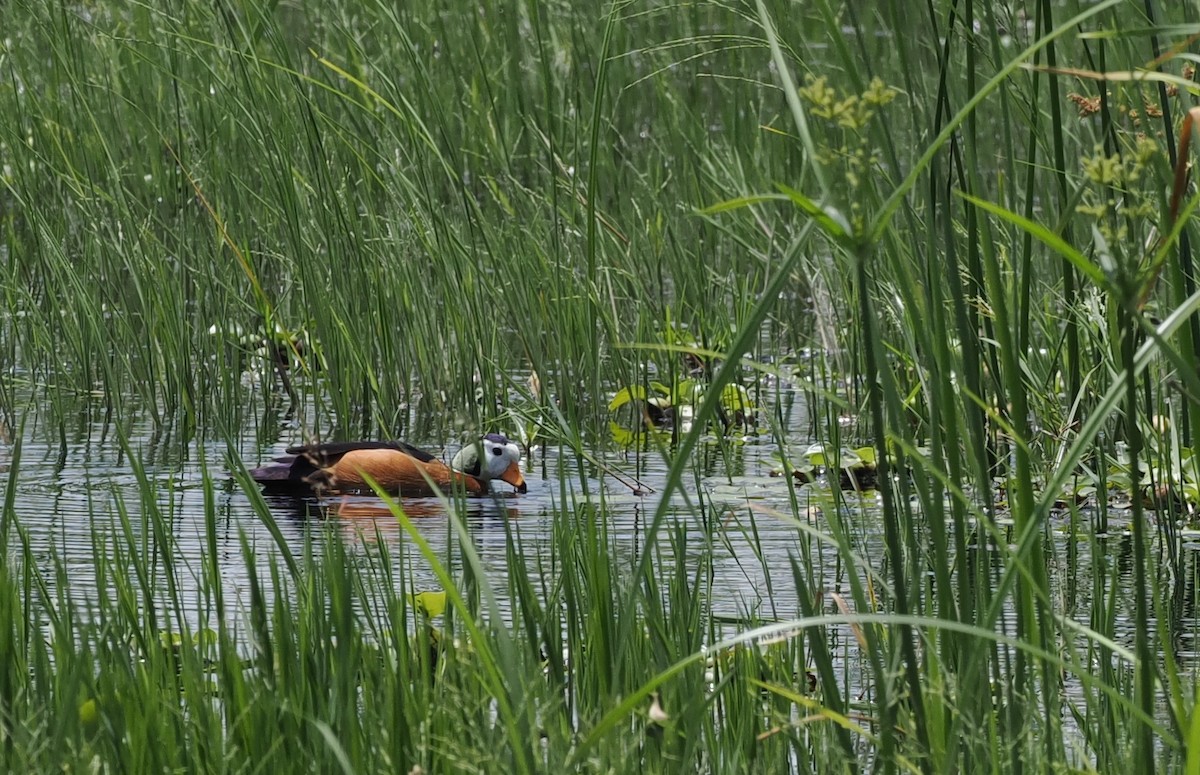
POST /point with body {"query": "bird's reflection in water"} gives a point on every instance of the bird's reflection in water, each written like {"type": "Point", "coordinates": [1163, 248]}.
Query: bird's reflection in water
{"type": "Point", "coordinates": [367, 518]}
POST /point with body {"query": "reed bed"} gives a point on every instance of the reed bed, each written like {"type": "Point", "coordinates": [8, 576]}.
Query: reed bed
{"type": "Point", "coordinates": [962, 229]}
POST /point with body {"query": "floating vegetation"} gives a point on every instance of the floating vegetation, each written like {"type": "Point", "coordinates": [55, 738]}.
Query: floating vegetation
{"type": "Point", "coordinates": [671, 409]}
{"type": "Point", "coordinates": [852, 469]}
{"type": "Point", "coordinates": [225, 227]}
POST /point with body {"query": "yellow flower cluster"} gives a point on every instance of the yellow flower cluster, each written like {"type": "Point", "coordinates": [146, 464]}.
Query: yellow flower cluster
{"type": "Point", "coordinates": [851, 111]}
{"type": "Point", "coordinates": [849, 115]}
{"type": "Point", "coordinates": [1112, 194]}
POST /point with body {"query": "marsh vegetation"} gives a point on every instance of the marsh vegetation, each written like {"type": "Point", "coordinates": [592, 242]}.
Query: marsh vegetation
{"type": "Point", "coordinates": [885, 312]}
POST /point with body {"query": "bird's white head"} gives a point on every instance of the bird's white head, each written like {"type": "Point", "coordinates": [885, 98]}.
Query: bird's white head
{"type": "Point", "coordinates": [492, 457]}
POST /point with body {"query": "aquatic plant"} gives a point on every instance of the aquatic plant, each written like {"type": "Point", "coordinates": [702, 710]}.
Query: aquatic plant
{"type": "Point", "coordinates": [394, 216]}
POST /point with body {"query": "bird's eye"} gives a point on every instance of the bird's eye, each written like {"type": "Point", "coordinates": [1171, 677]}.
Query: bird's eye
{"type": "Point", "coordinates": [497, 451]}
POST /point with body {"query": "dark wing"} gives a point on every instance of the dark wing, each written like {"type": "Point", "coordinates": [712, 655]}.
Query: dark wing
{"type": "Point", "coordinates": [335, 449]}
{"type": "Point", "coordinates": [416, 452]}
{"type": "Point", "coordinates": [290, 474]}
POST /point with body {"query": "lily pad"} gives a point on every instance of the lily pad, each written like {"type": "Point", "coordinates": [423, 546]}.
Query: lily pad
{"type": "Point", "coordinates": [428, 604]}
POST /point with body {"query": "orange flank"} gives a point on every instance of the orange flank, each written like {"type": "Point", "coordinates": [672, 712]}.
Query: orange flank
{"type": "Point", "coordinates": [396, 472]}
{"type": "Point", "coordinates": [397, 467]}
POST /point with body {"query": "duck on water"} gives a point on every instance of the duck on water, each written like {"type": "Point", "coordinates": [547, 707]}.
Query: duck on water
{"type": "Point", "coordinates": [396, 466]}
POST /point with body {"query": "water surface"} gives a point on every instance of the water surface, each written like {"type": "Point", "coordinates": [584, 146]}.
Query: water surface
{"type": "Point", "coordinates": [78, 492]}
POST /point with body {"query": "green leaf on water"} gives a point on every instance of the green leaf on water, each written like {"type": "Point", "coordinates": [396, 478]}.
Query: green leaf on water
{"type": "Point", "coordinates": [621, 435]}
{"type": "Point", "coordinates": [815, 455]}
{"type": "Point", "coordinates": [735, 398]}
{"type": "Point", "coordinates": [660, 388]}
{"type": "Point", "coordinates": [428, 604]}
{"type": "Point", "coordinates": [170, 640]}
{"type": "Point", "coordinates": [625, 395]}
